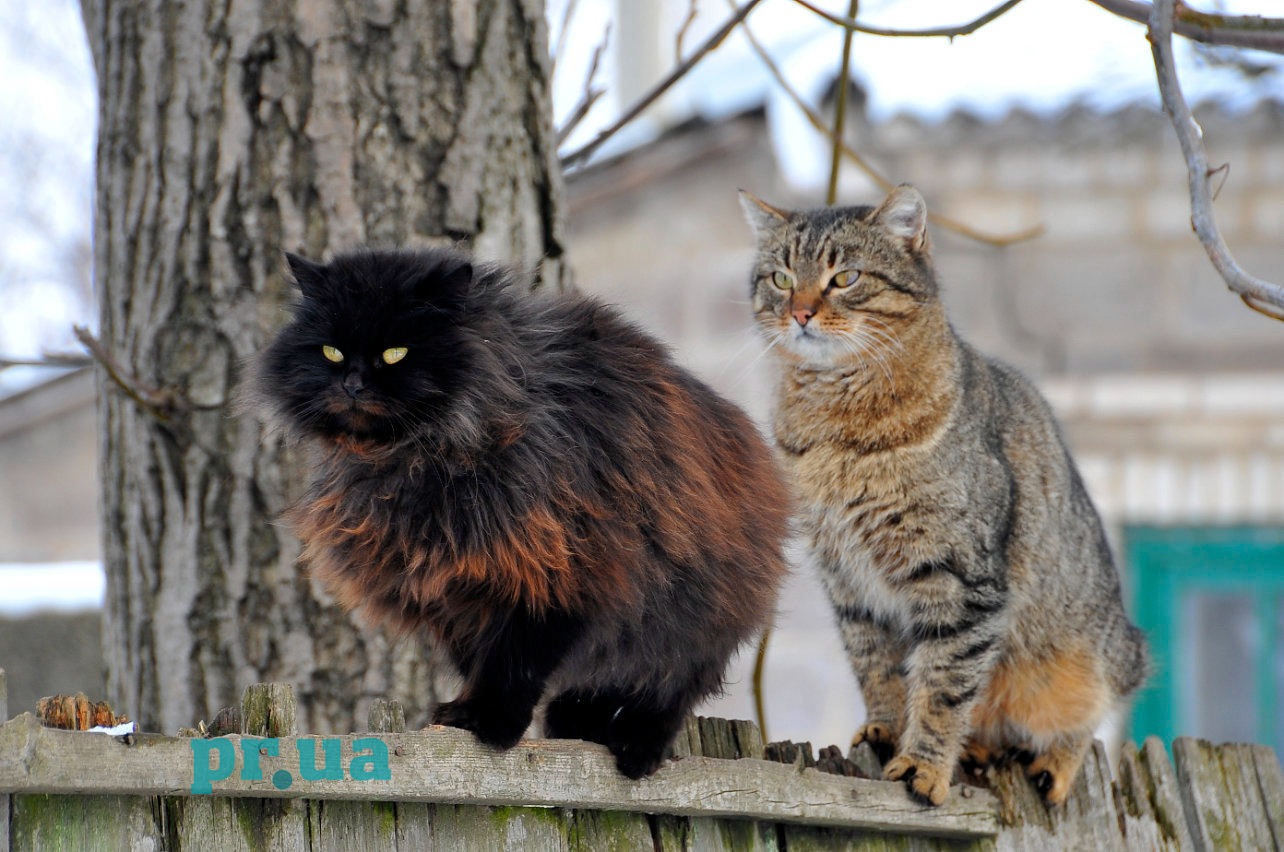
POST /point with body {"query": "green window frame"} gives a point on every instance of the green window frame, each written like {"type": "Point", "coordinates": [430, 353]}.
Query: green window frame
{"type": "Point", "coordinates": [1168, 564]}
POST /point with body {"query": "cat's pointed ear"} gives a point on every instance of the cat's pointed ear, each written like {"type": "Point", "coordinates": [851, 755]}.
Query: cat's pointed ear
{"type": "Point", "coordinates": [761, 215]}
{"type": "Point", "coordinates": [459, 276]}
{"type": "Point", "coordinates": [306, 273]}
{"type": "Point", "coordinates": [445, 280]}
{"type": "Point", "coordinates": [903, 214]}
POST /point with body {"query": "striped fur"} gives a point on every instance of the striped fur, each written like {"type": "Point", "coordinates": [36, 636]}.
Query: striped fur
{"type": "Point", "coordinates": [536, 483]}
{"type": "Point", "coordinates": [973, 587]}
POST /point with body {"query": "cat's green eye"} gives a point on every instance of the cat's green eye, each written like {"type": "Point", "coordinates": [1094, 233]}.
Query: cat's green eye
{"type": "Point", "coordinates": [395, 354]}
{"type": "Point", "coordinates": [782, 281]}
{"type": "Point", "coordinates": [846, 278]}
{"type": "Point", "coordinates": [332, 354]}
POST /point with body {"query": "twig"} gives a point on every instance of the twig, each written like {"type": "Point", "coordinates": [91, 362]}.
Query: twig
{"type": "Point", "coordinates": [590, 94]}
{"type": "Point", "coordinates": [1189, 135]}
{"type": "Point", "coordinates": [865, 166]}
{"type": "Point", "coordinates": [682, 31]}
{"type": "Point", "coordinates": [58, 359]}
{"type": "Point", "coordinates": [1251, 31]}
{"type": "Point", "coordinates": [161, 404]}
{"type": "Point", "coordinates": [561, 36]}
{"type": "Point", "coordinates": [853, 25]}
{"type": "Point", "coordinates": [664, 85]}
{"type": "Point", "coordinates": [759, 668]}
{"type": "Point", "coordinates": [840, 109]}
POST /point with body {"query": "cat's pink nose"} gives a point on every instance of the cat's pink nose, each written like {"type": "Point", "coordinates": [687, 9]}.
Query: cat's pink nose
{"type": "Point", "coordinates": [802, 315]}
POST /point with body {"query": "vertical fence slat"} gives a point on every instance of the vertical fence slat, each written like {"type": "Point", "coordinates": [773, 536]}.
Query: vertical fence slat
{"type": "Point", "coordinates": [239, 825]}
{"type": "Point", "coordinates": [42, 822]}
{"type": "Point", "coordinates": [1270, 780]}
{"type": "Point", "coordinates": [1244, 797]}
{"type": "Point", "coordinates": [592, 831]}
{"type": "Point", "coordinates": [1203, 791]}
{"type": "Point", "coordinates": [1151, 800]}
{"type": "Point", "coordinates": [353, 826]}
{"type": "Point", "coordinates": [4, 797]}
{"type": "Point", "coordinates": [480, 829]}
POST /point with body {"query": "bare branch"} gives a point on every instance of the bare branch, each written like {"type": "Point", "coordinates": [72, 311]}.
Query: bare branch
{"type": "Point", "coordinates": [865, 166]}
{"type": "Point", "coordinates": [161, 404]}
{"type": "Point", "coordinates": [840, 108]}
{"type": "Point", "coordinates": [936, 32]}
{"type": "Point", "coordinates": [1254, 291]}
{"type": "Point", "coordinates": [692, 12]}
{"type": "Point", "coordinates": [590, 95]}
{"type": "Point", "coordinates": [61, 360]}
{"type": "Point", "coordinates": [1251, 31]}
{"type": "Point", "coordinates": [561, 36]}
{"type": "Point", "coordinates": [664, 85]}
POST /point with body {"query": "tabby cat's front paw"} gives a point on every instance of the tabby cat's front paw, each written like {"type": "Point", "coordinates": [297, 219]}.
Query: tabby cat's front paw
{"type": "Point", "coordinates": [881, 737]}
{"type": "Point", "coordinates": [926, 782]}
{"type": "Point", "coordinates": [495, 727]}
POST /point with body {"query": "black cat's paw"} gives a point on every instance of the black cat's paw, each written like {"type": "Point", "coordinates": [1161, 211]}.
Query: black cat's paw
{"type": "Point", "coordinates": [638, 759]}
{"type": "Point", "coordinates": [490, 724]}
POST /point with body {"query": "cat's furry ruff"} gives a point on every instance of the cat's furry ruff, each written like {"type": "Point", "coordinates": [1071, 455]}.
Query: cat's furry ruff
{"type": "Point", "coordinates": [537, 483]}
{"type": "Point", "coordinates": [973, 586]}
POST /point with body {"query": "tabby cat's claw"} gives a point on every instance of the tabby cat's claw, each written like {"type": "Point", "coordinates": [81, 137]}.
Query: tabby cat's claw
{"type": "Point", "coordinates": [927, 783]}
{"type": "Point", "coordinates": [880, 736]}
{"type": "Point", "coordinates": [1050, 783]}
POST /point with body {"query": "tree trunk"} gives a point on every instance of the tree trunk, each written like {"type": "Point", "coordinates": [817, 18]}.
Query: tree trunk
{"type": "Point", "coordinates": [228, 133]}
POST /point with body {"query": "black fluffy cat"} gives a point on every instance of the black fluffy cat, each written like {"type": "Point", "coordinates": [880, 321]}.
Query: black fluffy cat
{"type": "Point", "coordinates": [533, 480]}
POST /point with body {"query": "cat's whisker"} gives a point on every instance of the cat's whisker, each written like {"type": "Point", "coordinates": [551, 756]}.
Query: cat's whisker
{"type": "Point", "coordinates": [881, 329]}
{"type": "Point", "coordinates": [776, 338]}
{"type": "Point", "coordinates": [752, 340]}
{"type": "Point", "coordinates": [866, 347]}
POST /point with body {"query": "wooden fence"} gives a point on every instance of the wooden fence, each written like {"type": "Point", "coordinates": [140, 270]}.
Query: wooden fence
{"type": "Point", "coordinates": [267, 788]}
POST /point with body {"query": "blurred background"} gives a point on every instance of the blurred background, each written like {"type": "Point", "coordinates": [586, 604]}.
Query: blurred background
{"type": "Point", "coordinates": [1040, 133]}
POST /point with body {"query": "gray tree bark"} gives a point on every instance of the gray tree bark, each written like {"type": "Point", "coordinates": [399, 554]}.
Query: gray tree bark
{"type": "Point", "coordinates": [228, 133]}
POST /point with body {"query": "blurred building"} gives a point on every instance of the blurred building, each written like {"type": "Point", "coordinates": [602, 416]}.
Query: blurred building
{"type": "Point", "coordinates": [1170, 389]}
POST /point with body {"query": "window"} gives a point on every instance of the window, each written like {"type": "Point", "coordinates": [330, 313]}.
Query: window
{"type": "Point", "coordinates": [1211, 601]}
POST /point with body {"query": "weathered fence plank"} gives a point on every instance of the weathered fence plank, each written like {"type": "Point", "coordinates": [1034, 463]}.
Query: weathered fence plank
{"type": "Point", "coordinates": [1210, 789]}
{"type": "Point", "coordinates": [4, 797]}
{"type": "Point", "coordinates": [1150, 799]}
{"type": "Point", "coordinates": [448, 765]}
{"type": "Point", "coordinates": [609, 831]}
{"type": "Point", "coordinates": [1270, 778]}
{"type": "Point", "coordinates": [238, 825]}
{"type": "Point", "coordinates": [84, 822]}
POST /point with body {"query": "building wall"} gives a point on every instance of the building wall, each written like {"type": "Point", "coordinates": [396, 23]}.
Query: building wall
{"type": "Point", "coordinates": [48, 473]}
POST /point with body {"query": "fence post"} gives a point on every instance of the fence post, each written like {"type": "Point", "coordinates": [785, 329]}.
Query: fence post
{"type": "Point", "coordinates": [268, 710]}
{"type": "Point", "coordinates": [4, 797]}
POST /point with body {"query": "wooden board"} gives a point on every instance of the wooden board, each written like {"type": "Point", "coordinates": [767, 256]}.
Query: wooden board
{"type": "Point", "coordinates": [445, 765]}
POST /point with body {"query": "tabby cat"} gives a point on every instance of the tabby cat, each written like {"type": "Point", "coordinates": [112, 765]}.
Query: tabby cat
{"type": "Point", "coordinates": [972, 583]}
{"type": "Point", "coordinates": [533, 480]}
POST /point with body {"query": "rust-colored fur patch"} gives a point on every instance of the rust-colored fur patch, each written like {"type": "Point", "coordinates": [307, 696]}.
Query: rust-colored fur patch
{"type": "Point", "coordinates": [363, 561]}
{"type": "Point", "coordinates": [1059, 694]}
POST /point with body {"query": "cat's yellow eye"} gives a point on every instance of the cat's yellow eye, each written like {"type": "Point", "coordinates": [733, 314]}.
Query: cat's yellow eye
{"type": "Point", "coordinates": [846, 278]}
{"type": "Point", "coordinates": [395, 354]}
{"type": "Point", "coordinates": [332, 354]}
{"type": "Point", "coordinates": [782, 281]}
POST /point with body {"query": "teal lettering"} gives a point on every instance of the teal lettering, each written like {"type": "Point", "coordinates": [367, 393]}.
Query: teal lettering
{"type": "Point", "coordinates": [203, 771]}
{"type": "Point", "coordinates": [372, 766]}
{"type": "Point", "coordinates": [250, 751]}
{"type": "Point", "coordinates": [333, 769]}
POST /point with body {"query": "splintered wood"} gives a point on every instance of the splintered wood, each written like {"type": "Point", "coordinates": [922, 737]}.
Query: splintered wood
{"type": "Point", "coordinates": [76, 713]}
